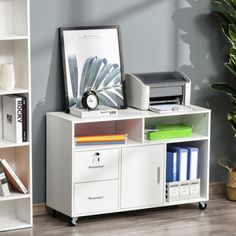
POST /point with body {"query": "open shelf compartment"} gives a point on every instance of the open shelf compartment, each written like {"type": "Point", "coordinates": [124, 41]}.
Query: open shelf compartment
{"type": "Point", "coordinates": [16, 52]}
{"type": "Point", "coordinates": [13, 17]}
{"type": "Point", "coordinates": [18, 159]}
{"type": "Point", "coordinates": [199, 123]}
{"type": "Point", "coordinates": [203, 171]}
{"type": "Point", "coordinates": [132, 127]}
{"type": "Point", "coordinates": [15, 214]}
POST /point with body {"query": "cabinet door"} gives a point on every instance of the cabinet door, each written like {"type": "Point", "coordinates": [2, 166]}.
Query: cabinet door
{"type": "Point", "coordinates": [142, 181]}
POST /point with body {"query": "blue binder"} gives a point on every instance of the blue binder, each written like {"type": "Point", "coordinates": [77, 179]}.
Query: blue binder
{"type": "Point", "coordinates": [182, 161]}
{"type": "Point", "coordinates": [171, 167]}
{"type": "Point", "coordinates": [192, 162]}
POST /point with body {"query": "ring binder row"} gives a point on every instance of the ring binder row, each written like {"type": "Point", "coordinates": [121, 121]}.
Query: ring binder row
{"type": "Point", "coordinates": [182, 190]}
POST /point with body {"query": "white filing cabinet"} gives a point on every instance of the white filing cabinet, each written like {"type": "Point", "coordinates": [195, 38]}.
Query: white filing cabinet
{"type": "Point", "coordinates": [90, 180]}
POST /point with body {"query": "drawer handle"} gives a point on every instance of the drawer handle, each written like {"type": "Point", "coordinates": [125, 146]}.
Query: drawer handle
{"type": "Point", "coordinates": [94, 167]}
{"type": "Point", "coordinates": [95, 198]}
{"type": "Point", "coordinates": [158, 175]}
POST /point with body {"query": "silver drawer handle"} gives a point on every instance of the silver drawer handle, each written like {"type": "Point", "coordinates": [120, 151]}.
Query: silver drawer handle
{"type": "Point", "coordinates": [94, 167]}
{"type": "Point", "coordinates": [158, 175]}
{"type": "Point", "coordinates": [95, 198]}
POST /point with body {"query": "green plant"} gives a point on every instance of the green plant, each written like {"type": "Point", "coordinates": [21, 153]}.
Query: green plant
{"type": "Point", "coordinates": [226, 9]}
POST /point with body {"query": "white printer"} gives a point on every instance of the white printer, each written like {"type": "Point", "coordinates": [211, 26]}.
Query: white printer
{"type": "Point", "coordinates": [147, 89]}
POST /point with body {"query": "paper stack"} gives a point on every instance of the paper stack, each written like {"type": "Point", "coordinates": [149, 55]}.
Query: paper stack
{"type": "Point", "coordinates": [103, 139]}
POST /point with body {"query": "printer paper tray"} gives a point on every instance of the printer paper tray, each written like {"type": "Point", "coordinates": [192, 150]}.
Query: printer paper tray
{"type": "Point", "coordinates": [166, 108]}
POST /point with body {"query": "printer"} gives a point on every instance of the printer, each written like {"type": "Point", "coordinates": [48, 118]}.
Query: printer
{"type": "Point", "coordinates": [146, 89]}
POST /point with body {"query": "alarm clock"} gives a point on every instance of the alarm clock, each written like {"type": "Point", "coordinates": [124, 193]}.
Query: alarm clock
{"type": "Point", "coordinates": [90, 100]}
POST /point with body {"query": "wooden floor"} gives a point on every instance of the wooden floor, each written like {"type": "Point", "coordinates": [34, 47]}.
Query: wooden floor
{"type": "Point", "coordinates": [218, 219]}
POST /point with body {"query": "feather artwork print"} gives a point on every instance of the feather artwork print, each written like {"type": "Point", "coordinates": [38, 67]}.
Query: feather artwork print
{"type": "Point", "coordinates": [100, 76]}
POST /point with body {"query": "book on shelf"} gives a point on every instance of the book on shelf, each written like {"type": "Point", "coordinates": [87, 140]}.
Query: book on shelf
{"type": "Point", "coordinates": [14, 118]}
{"type": "Point", "coordinates": [12, 178]}
{"type": "Point", "coordinates": [100, 112]}
{"type": "Point", "coordinates": [24, 119]}
{"type": "Point", "coordinates": [4, 189]}
{"type": "Point", "coordinates": [100, 139]}
{"type": "Point", "coordinates": [100, 143]}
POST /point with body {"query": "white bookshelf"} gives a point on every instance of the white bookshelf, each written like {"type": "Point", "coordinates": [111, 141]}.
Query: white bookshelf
{"type": "Point", "coordinates": [16, 209]}
{"type": "Point", "coordinates": [12, 37]}
{"type": "Point", "coordinates": [126, 176]}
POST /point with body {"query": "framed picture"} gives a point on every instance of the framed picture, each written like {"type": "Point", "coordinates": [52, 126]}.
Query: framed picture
{"type": "Point", "coordinates": [92, 61]}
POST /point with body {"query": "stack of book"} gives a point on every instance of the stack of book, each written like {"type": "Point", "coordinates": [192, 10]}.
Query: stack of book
{"type": "Point", "coordinates": [103, 139]}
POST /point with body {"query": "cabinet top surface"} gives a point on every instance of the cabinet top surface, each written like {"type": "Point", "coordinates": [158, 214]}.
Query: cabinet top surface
{"type": "Point", "coordinates": [125, 114]}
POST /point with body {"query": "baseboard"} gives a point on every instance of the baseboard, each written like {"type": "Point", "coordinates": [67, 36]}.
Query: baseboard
{"type": "Point", "coordinates": [40, 209]}
{"type": "Point", "coordinates": [215, 189]}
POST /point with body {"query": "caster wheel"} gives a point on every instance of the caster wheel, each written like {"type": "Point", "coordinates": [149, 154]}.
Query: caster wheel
{"type": "Point", "coordinates": [54, 213]}
{"type": "Point", "coordinates": [202, 205]}
{"type": "Point", "coordinates": [72, 221]}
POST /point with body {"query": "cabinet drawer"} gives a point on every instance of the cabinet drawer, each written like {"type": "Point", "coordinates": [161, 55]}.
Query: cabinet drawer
{"type": "Point", "coordinates": [96, 165]}
{"type": "Point", "coordinates": [95, 197]}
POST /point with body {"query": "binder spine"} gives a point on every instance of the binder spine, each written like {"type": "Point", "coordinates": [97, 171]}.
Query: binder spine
{"type": "Point", "coordinates": [18, 106]}
{"type": "Point", "coordinates": [24, 120]}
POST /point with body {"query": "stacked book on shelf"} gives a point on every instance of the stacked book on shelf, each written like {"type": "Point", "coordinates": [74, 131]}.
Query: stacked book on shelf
{"type": "Point", "coordinates": [14, 113]}
{"type": "Point", "coordinates": [103, 139]}
{"type": "Point", "coordinates": [9, 180]}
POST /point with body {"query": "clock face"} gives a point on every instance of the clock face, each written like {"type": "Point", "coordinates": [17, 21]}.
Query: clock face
{"type": "Point", "coordinates": [92, 101]}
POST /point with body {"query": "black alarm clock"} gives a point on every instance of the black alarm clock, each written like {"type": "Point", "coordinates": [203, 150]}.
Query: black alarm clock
{"type": "Point", "coordinates": [90, 100]}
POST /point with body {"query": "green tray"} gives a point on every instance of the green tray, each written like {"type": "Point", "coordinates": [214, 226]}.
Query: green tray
{"type": "Point", "coordinates": [170, 131]}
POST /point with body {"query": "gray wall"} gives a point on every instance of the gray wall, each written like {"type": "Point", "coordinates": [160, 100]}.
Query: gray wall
{"type": "Point", "coordinates": [157, 35]}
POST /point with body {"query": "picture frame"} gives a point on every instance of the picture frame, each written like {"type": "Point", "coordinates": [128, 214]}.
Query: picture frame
{"type": "Point", "coordinates": [92, 61]}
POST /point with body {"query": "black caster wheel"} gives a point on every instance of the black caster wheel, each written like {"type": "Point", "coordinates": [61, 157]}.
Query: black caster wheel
{"type": "Point", "coordinates": [72, 221]}
{"type": "Point", "coordinates": [202, 205]}
{"type": "Point", "coordinates": [54, 213]}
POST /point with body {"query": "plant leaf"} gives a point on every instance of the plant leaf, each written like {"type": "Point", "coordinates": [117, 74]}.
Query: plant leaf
{"type": "Point", "coordinates": [232, 56]}
{"type": "Point", "coordinates": [102, 75]}
{"type": "Point", "coordinates": [232, 3]}
{"type": "Point", "coordinates": [224, 88]}
{"type": "Point", "coordinates": [225, 30]}
{"type": "Point", "coordinates": [226, 11]}
{"type": "Point", "coordinates": [231, 68]}
{"type": "Point", "coordinates": [232, 33]}
{"type": "Point", "coordinates": [232, 119]}
{"type": "Point", "coordinates": [85, 73]}
{"type": "Point", "coordinates": [97, 64]}
{"type": "Point", "coordinates": [73, 68]}
{"type": "Point", "coordinates": [114, 73]}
